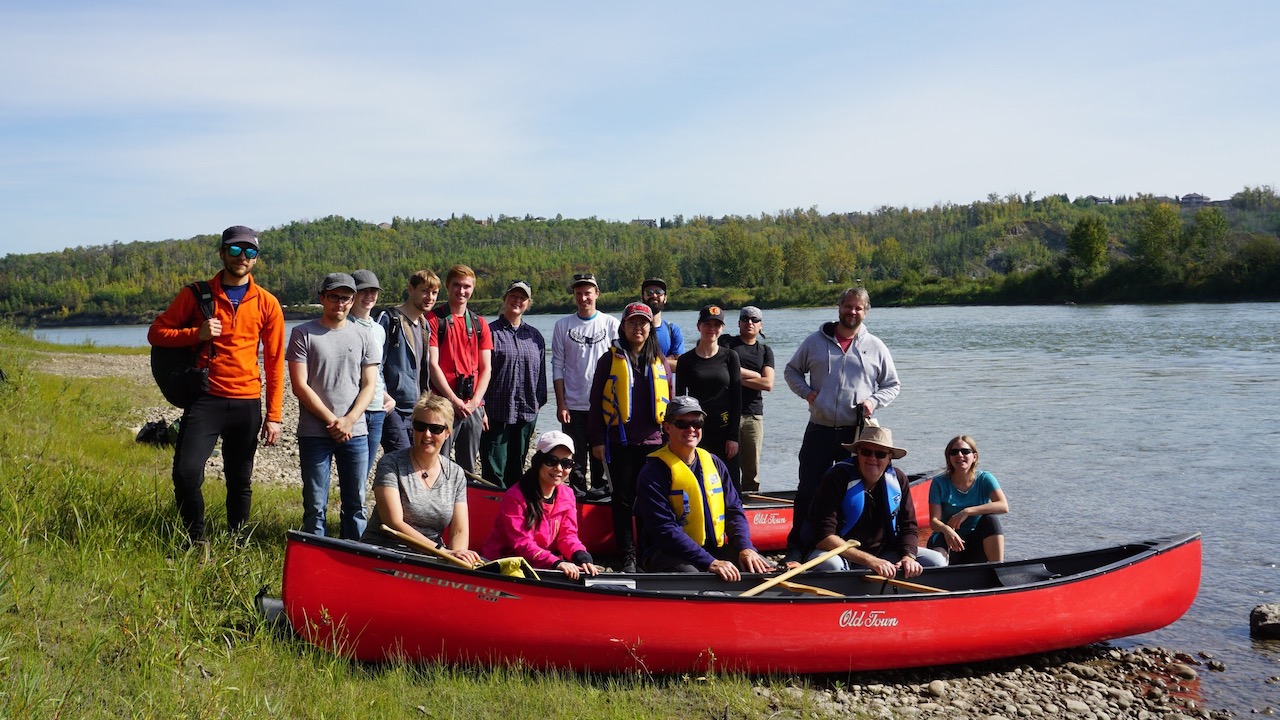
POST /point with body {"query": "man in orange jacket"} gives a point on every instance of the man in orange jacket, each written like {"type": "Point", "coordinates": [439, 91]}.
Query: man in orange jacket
{"type": "Point", "coordinates": [245, 316]}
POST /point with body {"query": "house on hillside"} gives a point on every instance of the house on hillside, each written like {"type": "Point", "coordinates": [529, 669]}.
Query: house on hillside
{"type": "Point", "coordinates": [1194, 200]}
{"type": "Point", "coordinates": [1094, 199]}
{"type": "Point", "coordinates": [638, 222]}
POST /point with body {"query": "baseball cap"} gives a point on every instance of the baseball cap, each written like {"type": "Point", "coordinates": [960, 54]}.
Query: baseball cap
{"type": "Point", "coordinates": [637, 308]}
{"type": "Point", "coordinates": [365, 279]}
{"type": "Point", "coordinates": [584, 279]}
{"type": "Point", "coordinates": [333, 281]}
{"type": "Point", "coordinates": [711, 313]}
{"type": "Point", "coordinates": [654, 282]}
{"type": "Point", "coordinates": [240, 234]}
{"type": "Point", "coordinates": [519, 285]}
{"type": "Point", "coordinates": [683, 405]}
{"type": "Point", "coordinates": [553, 439]}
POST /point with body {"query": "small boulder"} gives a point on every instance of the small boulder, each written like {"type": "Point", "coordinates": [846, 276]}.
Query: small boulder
{"type": "Point", "coordinates": [1264, 622]}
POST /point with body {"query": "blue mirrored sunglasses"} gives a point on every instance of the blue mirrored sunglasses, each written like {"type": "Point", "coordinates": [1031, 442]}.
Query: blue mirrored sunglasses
{"type": "Point", "coordinates": [249, 252]}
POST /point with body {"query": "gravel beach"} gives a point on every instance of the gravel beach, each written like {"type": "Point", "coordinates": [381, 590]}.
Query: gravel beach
{"type": "Point", "coordinates": [1093, 683]}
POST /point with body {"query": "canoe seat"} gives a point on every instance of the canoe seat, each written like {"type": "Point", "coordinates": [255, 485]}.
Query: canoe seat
{"type": "Point", "coordinates": [1023, 574]}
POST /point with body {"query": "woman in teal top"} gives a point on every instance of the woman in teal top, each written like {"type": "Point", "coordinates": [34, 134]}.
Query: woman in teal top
{"type": "Point", "coordinates": [963, 505]}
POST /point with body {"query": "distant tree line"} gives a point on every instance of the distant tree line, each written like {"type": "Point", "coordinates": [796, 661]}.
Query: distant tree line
{"type": "Point", "coordinates": [1003, 250]}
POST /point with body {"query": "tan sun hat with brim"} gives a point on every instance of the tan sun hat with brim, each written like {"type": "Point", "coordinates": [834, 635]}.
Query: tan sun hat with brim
{"type": "Point", "coordinates": [878, 436]}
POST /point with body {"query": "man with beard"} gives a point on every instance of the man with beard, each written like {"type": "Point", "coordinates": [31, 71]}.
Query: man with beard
{"type": "Point", "coordinates": [245, 317]}
{"type": "Point", "coordinates": [844, 373]}
{"type": "Point", "coordinates": [653, 292]}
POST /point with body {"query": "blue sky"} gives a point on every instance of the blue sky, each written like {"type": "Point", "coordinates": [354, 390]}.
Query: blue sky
{"type": "Point", "coordinates": [124, 121]}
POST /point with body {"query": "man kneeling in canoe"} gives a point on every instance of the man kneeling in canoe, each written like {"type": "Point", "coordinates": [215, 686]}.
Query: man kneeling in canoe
{"type": "Point", "coordinates": [690, 517]}
{"type": "Point", "coordinates": [862, 499]}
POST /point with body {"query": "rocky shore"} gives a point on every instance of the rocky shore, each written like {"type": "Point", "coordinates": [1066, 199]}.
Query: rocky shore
{"type": "Point", "coordinates": [1098, 682]}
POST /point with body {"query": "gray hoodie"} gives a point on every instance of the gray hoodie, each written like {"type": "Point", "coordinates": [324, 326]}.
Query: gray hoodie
{"type": "Point", "coordinates": [842, 380]}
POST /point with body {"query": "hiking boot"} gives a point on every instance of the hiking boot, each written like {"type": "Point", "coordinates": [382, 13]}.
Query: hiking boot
{"type": "Point", "coordinates": [629, 564]}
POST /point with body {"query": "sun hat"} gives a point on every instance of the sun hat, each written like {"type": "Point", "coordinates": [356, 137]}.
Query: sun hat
{"type": "Point", "coordinates": [240, 234]}
{"type": "Point", "coordinates": [637, 308]}
{"type": "Point", "coordinates": [553, 439]}
{"type": "Point", "coordinates": [365, 279]}
{"type": "Point", "coordinates": [879, 436]}
{"type": "Point", "coordinates": [683, 405]}
{"type": "Point", "coordinates": [711, 313]}
{"type": "Point", "coordinates": [332, 281]}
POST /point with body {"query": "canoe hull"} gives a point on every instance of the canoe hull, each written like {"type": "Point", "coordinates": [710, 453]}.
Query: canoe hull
{"type": "Point", "coordinates": [373, 604]}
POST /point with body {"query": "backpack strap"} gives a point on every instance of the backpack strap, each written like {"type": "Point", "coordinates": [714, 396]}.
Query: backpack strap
{"type": "Point", "coordinates": [204, 301]}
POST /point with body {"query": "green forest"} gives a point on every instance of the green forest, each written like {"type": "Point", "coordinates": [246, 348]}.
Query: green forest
{"type": "Point", "coordinates": [1002, 250]}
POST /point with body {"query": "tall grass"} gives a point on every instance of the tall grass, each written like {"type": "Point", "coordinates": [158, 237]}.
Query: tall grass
{"type": "Point", "coordinates": [104, 611]}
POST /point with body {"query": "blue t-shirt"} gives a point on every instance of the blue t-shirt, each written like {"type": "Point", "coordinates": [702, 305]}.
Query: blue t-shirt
{"type": "Point", "coordinates": [942, 492]}
{"type": "Point", "coordinates": [670, 338]}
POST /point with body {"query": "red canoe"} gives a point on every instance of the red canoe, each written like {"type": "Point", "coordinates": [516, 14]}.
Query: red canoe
{"type": "Point", "coordinates": [368, 603]}
{"type": "Point", "coordinates": [770, 515]}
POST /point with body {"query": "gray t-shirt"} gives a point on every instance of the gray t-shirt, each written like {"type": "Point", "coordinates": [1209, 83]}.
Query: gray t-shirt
{"type": "Point", "coordinates": [334, 359]}
{"type": "Point", "coordinates": [427, 511]}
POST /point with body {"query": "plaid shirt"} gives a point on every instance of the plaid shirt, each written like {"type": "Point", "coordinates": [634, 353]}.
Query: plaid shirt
{"type": "Point", "coordinates": [518, 384]}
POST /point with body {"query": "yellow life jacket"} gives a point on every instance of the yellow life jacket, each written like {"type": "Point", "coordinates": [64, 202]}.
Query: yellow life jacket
{"type": "Point", "coordinates": [618, 389]}
{"type": "Point", "coordinates": [688, 494]}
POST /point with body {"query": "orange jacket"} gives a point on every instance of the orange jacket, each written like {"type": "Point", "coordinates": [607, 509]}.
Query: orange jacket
{"type": "Point", "coordinates": [233, 369]}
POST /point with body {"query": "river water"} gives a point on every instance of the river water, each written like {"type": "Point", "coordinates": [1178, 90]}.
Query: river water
{"type": "Point", "coordinates": [1104, 425]}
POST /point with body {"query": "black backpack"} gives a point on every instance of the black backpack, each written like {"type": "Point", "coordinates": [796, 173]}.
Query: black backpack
{"type": "Point", "coordinates": [175, 368]}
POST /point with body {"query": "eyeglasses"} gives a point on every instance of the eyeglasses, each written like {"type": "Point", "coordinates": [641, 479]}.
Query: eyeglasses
{"type": "Point", "coordinates": [959, 451]}
{"type": "Point", "coordinates": [434, 428]}
{"type": "Point", "coordinates": [553, 461]}
{"type": "Point", "coordinates": [686, 424]}
{"type": "Point", "coordinates": [869, 453]}
{"type": "Point", "coordinates": [340, 299]}
{"type": "Point", "coordinates": [237, 250]}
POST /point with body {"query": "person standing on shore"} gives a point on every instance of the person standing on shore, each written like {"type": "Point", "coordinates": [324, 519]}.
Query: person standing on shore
{"type": "Point", "coordinates": [245, 318]}
{"type": "Point", "coordinates": [845, 373]}
{"type": "Point", "coordinates": [404, 356]}
{"type": "Point", "coordinates": [756, 368]}
{"type": "Point", "coordinates": [461, 351]}
{"type": "Point", "coordinates": [518, 390]}
{"type": "Point", "coordinates": [653, 292]}
{"type": "Point", "coordinates": [367, 291]}
{"type": "Point", "coordinates": [332, 367]}
{"type": "Point", "coordinates": [577, 343]}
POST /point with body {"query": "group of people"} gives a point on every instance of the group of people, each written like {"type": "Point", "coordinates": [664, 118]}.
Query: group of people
{"type": "Point", "coordinates": [673, 437]}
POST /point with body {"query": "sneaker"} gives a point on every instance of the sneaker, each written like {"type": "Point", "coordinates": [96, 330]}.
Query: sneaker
{"type": "Point", "coordinates": [597, 494]}
{"type": "Point", "coordinates": [629, 564]}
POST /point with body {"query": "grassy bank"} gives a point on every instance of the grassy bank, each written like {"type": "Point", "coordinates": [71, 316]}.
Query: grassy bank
{"type": "Point", "coordinates": [105, 613]}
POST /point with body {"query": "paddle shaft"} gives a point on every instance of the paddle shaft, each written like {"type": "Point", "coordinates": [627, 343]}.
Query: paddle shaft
{"type": "Point", "coordinates": [902, 584]}
{"type": "Point", "coordinates": [796, 571]}
{"type": "Point", "coordinates": [428, 548]}
{"type": "Point", "coordinates": [772, 498]}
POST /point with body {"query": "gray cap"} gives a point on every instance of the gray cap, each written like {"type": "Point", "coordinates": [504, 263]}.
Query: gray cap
{"type": "Point", "coordinates": [365, 279]}
{"type": "Point", "coordinates": [521, 285]}
{"type": "Point", "coordinates": [239, 234]}
{"type": "Point", "coordinates": [683, 405]}
{"type": "Point", "coordinates": [333, 281]}
{"type": "Point", "coordinates": [750, 312]}
{"type": "Point", "coordinates": [583, 279]}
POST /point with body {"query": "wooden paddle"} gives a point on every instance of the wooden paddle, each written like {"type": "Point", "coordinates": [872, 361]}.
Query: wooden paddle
{"type": "Point", "coordinates": [902, 584]}
{"type": "Point", "coordinates": [798, 587]}
{"type": "Point", "coordinates": [428, 548]}
{"type": "Point", "coordinates": [797, 570]}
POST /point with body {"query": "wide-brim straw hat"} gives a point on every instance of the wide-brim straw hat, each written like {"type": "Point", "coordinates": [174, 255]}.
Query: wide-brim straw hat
{"type": "Point", "coordinates": [879, 436]}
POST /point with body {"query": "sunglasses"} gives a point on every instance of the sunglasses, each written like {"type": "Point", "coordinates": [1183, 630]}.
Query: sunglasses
{"type": "Point", "coordinates": [238, 250]}
{"type": "Point", "coordinates": [686, 424]}
{"type": "Point", "coordinates": [751, 320]}
{"type": "Point", "coordinates": [553, 461]}
{"type": "Point", "coordinates": [877, 454]}
{"type": "Point", "coordinates": [434, 428]}
{"type": "Point", "coordinates": [959, 451]}
{"type": "Point", "coordinates": [654, 293]}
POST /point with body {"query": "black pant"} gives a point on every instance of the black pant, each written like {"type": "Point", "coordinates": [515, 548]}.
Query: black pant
{"type": "Point", "coordinates": [237, 422]}
{"type": "Point", "coordinates": [397, 431]}
{"type": "Point", "coordinates": [820, 449]}
{"type": "Point", "coordinates": [625, 462]}
{"type": "Point", "coordinates": [583, 460]}
{"type": "Point", "coordinates": [713, 440]}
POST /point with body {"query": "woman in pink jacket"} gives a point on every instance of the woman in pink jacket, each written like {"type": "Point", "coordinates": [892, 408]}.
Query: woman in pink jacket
{"type": "Point", "coordinates": [538, 518]}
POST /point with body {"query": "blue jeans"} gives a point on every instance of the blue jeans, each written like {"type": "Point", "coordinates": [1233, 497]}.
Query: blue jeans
{"type": "Point", "coordinates": [397, 430]}
{"type": "Point", "coordinates": [374, 419]}
{"type": "Point", "coordinates": [314, 455]}
{"type": "Point", "coordinates": [926, 557]}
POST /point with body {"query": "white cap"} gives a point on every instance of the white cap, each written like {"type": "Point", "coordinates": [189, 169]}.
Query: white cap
{"type": "Point", "coordinates": [553, 439]}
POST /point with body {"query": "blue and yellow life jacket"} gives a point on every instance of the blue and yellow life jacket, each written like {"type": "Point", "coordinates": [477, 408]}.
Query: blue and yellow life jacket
{"type": "Point", "coordinates": [690, 498]}
{"type": "Point", "coordinates": [854, 498]}
{"type": "Point", "coordinates": [619, 388]}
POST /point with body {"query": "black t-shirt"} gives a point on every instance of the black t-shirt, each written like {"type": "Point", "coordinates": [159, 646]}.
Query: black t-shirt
{"type": "Point", "coordinates": [752, 357]}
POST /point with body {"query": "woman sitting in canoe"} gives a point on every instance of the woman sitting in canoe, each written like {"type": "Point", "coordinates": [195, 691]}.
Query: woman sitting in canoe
{"type": "Point", "coordinates": [963, 505]}
{"type": "Point", "coordinates": [538, 518]}
{"type": "Point", "coordinates": [418, 492]}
